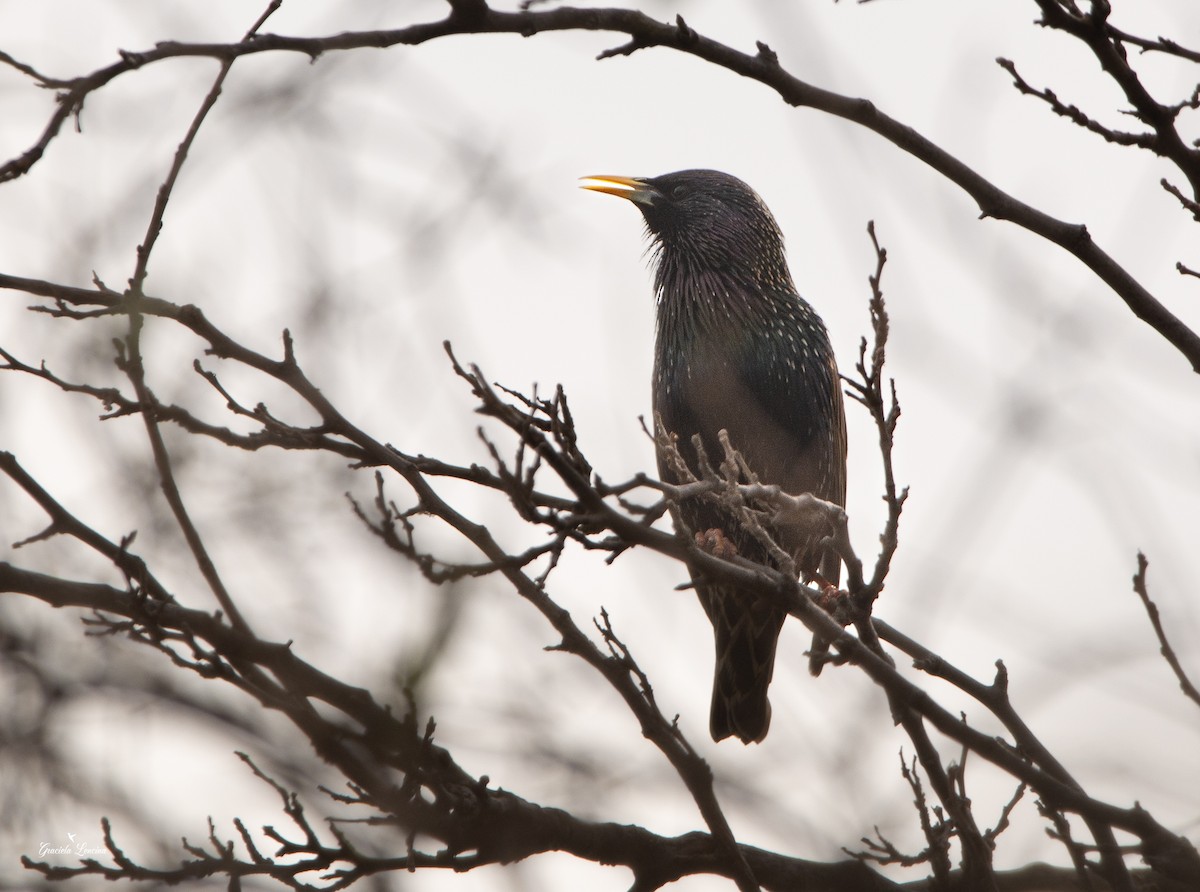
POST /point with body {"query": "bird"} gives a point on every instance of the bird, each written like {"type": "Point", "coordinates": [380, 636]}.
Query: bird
{"type": "Point", "coordinates": [738, 349]}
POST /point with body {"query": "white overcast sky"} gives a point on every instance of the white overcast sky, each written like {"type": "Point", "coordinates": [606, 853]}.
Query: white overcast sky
{"type": "Point", "coordinates": [382, 201]}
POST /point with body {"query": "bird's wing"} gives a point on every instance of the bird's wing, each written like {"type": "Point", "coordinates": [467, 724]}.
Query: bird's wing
{"type": "Point", "coordinates": [794, 423]}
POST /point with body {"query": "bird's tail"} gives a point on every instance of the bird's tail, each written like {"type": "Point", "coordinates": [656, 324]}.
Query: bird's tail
{"type": "Point", "coordinates": [746, 630]}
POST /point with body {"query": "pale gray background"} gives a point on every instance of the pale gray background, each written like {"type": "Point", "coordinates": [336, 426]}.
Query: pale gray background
{"type": "Point", "coordinates": [378, 202]}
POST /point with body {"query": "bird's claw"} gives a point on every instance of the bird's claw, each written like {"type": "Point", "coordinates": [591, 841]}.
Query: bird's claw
{"type": "Point", "coordinates": [832, 600]}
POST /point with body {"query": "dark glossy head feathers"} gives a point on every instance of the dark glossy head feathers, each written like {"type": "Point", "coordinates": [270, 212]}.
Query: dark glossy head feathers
{"type": "Point", "coordinates": [706, 222]}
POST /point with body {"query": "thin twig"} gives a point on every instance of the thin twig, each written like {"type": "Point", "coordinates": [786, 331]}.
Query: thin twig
{"type": "Point", "coordinates": [1168, 652]}
{"type": "Point", "coordinates": [760, 66]}
{"type": "Point", "coordinates": [132, 361]}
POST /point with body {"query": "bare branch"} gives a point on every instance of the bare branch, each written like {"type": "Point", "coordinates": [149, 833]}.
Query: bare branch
{"type": "Point", "coordinates": [1188, 204]}
{"type": "Point", "coordinates": [63, 522]}
{"type": "Point", "coordinates": [762, 67]}
{"type": "Point", "coordinates": [1106, 43]}
{"type": "Point", "coordinates": [1076, 116]}
{"type": "Point", "coordinates": [1168, 652]}
{"type": "Point", "coordinates": [392, 767]}
{"type": "Point", "coordinates": [884, 407]}
{"type": "Point", "coordinates": [131, 361]}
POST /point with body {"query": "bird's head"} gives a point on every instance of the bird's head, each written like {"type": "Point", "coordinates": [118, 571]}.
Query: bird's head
{"type": "Point", "coordinates": [704, 221]}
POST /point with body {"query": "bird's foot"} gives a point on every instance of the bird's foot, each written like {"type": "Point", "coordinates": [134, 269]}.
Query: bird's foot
{"type": "Point", "coordinates": [831, 597]}
{"type": "Point", "coordinates": [716, 543]}
{"type": "Point", "coordinates": [835, 602]}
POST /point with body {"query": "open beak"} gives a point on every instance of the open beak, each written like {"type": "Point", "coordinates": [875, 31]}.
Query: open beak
{"type": "Point", "coordinates": [631, 188]}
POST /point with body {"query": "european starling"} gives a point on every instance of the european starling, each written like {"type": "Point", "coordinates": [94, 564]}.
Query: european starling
{"type": "Point", "coordinates": [737, 348]}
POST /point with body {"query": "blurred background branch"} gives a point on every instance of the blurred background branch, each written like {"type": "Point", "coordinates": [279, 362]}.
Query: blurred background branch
{"type": "Point", "coordinates": [369, 224]}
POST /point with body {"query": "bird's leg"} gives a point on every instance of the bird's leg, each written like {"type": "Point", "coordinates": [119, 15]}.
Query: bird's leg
{"type": "Point", "coordinates": [833, 600]}
{"type": "Point", "coordinates": [836, 602]}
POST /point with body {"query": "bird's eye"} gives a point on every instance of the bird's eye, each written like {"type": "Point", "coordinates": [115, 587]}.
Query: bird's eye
{"type": "Point", "coordinates": [679, 191]}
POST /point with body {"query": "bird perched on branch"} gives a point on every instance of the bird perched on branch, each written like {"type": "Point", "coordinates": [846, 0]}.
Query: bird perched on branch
{"type": "Point", "coordinates": [738, 349]}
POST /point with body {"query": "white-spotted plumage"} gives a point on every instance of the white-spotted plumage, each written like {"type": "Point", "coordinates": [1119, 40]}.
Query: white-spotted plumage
{"type": "Point", "coordinates": [738, 349]}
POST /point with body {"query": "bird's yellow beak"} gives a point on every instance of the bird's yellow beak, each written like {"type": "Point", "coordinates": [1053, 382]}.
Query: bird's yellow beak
{"type": "Point", "coordinates": [623, 187]}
